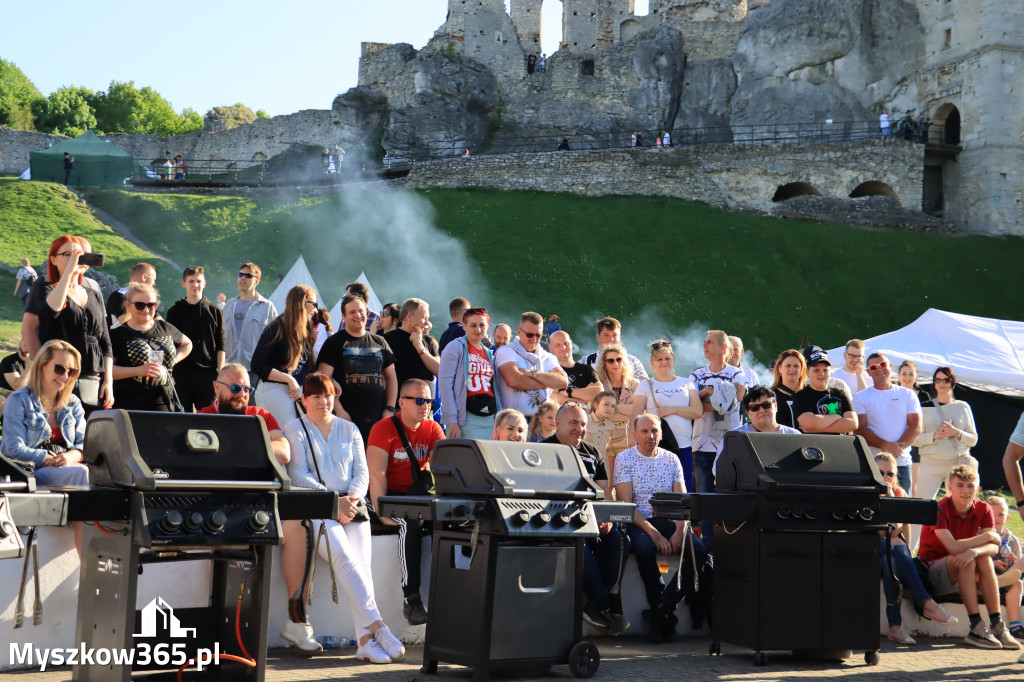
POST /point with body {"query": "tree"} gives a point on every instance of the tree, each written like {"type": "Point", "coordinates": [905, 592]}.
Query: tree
{"type": "Point", "coordinates": [67, 111]}
{"type": "Point", "coordinates": [17, 93]}
{"type": "Point", "coordinates": [126, 109]}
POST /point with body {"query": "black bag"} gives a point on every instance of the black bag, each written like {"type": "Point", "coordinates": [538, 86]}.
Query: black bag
{"type": "Point", "coordinates": [422, 481]}
{"type": "Point", "coordinates": [362, 513]}
{"type": "Point", "coordinates": [668, 439]}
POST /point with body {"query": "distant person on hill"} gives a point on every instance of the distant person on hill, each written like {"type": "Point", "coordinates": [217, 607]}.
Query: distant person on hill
{"type": "Point", "coordinates": [552, 326]}
{"type": "Point", "coordinates": [24, 280]}
{"type": "Point", "coordinates": [69, 165]}
{"type": "Point", "coordinates": [337, 155]}
{"type": "Point", "coordinates": [117, 313]}
{"type": "Point", "coordinates": [542, 65]}
{"type": "Point", "coordinates": [564, 145]}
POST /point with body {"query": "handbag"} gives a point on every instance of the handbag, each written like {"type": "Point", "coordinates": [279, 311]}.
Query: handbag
{"type": "Point", "coordinates": [668, 439]}
{"type": "Point", "coordinates": [422, 481]}
{"type": "Point", "coordinates": [362, 513]}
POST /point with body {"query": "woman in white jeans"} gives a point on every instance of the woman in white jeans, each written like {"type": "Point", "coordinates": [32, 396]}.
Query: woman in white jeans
{"type": "Point", "coordinates": [947, 436]}
{"type": "Point", "coordinates": [327, 454]}
{"type": "Point", "coordinates": [284, 355]}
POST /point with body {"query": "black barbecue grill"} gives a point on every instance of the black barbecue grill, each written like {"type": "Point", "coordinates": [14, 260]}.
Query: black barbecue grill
{"type": "Point", "coordinates": [506, 578]}
{"type": "Point", "coordinates": [172, 487]}
{"type": "Point", "coordinates": [796, 544]}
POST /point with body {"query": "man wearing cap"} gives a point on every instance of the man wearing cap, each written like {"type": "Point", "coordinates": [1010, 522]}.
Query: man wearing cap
{"type": "Point", "coordinates": [820, 407]}
{"type": "Point", "coordinates": [889, 417]}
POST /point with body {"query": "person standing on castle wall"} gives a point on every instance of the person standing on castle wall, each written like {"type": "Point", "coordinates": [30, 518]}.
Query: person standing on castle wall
{"type": "Point", "coordinates": [337, 155]}
{"type": "Point", "coordinates": [564, 145]}
{"type": "Point", "coordinates": [925, 125]}
{"type": "Point", "coordinates": [908, 126]}
{"type": "Point", "coordinates": [325, 160]}
{"type": "Point", "coordinates": [632, 139]}
{"type": "Point", "coordinates": [531, 63]}
{"type": "Point", "coordinates": [666, 139]}
{"type": "Point", "coordinates": [883, 124]}
{"type": "Point", "coordinates": [542, 65]}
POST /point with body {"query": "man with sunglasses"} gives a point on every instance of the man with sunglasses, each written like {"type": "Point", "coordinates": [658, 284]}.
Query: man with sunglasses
{"type": "Point", "coordinates": [889, 417]}
{"type": "Point", "coordinates": [391, 473]}
{"type": "Point", "coordinates": [245, 318]}
{"type": "Point", "coordinates": [232, 391]}
{"type": "Point", "coordinates": [527, 374]}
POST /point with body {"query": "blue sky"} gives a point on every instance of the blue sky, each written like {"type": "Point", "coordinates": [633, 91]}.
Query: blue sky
{"type": "Point", "coordinates": [268, 54]}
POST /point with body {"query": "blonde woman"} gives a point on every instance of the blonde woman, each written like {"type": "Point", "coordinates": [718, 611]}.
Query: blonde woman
{"type": "Point", "coordinates": [615, 372]}
{"type": "Point", "coordinates": [509, 425]}
{"type": "Point", "coordinates": [790, 376]}
{"type": "Point", "coordinates": [284, 355]}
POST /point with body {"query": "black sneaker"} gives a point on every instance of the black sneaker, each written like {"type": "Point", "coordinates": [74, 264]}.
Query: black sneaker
{"type": "Point", "coordinates": [414, 610]}
{"type": "Point", "coordinates": [1017, 631]}
{"type": "Point", "coordinates": [595, 616]}
{"type": "Point", "coordinates": [617, 623]}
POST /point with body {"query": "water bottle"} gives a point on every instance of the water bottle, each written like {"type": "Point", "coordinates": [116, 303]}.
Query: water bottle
{"type": "Point", "coordinates": [332, 642]}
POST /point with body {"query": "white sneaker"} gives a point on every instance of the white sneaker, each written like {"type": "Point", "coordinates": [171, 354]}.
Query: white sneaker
{"type": "Point", "coordinates": [301, 635]}
{"type": "Point", "coordinates": [389, 643]}
{"type": "Point", "coordinates": [372, 652]}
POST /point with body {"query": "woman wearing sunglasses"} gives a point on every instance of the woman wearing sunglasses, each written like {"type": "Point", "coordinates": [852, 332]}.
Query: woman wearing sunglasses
{"type": "Point", "coordinates": [947, 436]}
{"type": "Point", "coordinates": [145, 350]}
{"type": "Point", "coordinates": [615, 372]}
{"type": "Point", "coordinates": [284, 355]}
{"type": "Point", "coordinates": [44, 422]}
{"type": "Point", "coordinates": [465, 383]}
{"type": "Point", "coordinates": [61, 306]}
{"type": "Point", "coordinates": [903, 567]}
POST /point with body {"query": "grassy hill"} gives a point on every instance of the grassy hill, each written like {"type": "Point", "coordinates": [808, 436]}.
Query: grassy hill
{"type": "Point", "coordinates": [679, 265]}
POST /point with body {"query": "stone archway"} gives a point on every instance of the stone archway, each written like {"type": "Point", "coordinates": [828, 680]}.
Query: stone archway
{"type": "Point", "coordinates": [874, 188]}
{"type": "Point", "coordinates": [628, 29]}
{"type": "Point", "coordinates": [948, 116]}
{"type": "Point", "coordinates": [794, 189]}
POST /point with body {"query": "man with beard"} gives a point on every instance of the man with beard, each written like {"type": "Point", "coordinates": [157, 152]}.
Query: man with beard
{"type": "Point", "coordinates": [232, 391]}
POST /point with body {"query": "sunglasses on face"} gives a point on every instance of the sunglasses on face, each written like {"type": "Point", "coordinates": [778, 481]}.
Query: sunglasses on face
{"type": "Point", "coordinates": [142, 305]}
{"type": "Point", "coordinates": [941, 380]}
{"type": "Point", "coordinates": [61, 370]}
{"type": "Point", "coordinates": [757, 407]}
{"type": "Point", "coordinates": [613, 361]}
{"type": "Point", "coordinates": [530, 335]}
{"type": "Point", "coordinates": [247, 275]}
{"type": "Point", "coordinates": [237, 388]}
{"type": "Point", "coordinates": [420, 402]}
{"type": "Point", "coordinates": [888, 474]}
{"type": "Point", "coordinates": [312, 303]}
{"type": "Point", "coordinates": [877, 366]}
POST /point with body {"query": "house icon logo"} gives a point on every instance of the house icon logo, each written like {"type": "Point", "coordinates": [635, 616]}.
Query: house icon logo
{"type": "Point", "coordinates": [159, 615]}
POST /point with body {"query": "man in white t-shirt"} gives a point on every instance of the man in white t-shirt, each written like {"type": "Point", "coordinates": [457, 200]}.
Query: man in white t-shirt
{"type": "Point", "coordinates": [526, 372]}
{"type": "Point", "coordinates": [736, 351]}
{"type": "Point", "coordinates": [852, 372]}
{"type": "Point", "coordinates": [889, 417]}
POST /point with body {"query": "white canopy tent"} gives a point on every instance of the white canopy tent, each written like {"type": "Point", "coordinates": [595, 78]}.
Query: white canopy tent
{"type": "Point", "coordinates": [299, 274]}
{"type": "Point", "coordinates": [984, 352]}
{"type": "Point", "coordinates": [374, 306]}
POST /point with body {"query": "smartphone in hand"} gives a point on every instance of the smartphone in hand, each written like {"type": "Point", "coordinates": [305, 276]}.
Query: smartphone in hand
{"type": "Point", "coordinates": [93, 260]}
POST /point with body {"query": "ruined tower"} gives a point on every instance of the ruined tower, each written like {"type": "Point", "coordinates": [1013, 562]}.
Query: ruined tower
{"type": "Point", "coordinates": [593, 24]}
{"type": "Point", "coordinates": [526, 16]}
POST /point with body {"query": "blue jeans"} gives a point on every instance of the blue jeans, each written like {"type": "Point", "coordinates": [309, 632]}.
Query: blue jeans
{"type": "Point", "coordinates": [704, 482]}
{"type": "Point", "coordinates": [647, 556]}
{"type": "Point", "coordinates": [903, 477]}
{"type": "Point", "coordinates": [906, 571]}
{"type": "Point", "coordinates": [602, 559]}
{"type": "Point", "coordinates": [685, 456]}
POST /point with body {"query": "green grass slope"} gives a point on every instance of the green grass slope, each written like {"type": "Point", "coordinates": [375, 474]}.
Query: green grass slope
{"type": "Point", "coordinates": [686, 264]}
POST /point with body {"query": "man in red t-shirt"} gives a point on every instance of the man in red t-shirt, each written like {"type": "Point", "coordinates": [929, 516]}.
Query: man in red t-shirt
{"type": "Point", "coordinates": [232, 397]}
{"type": "Point", "coordinates": [959, 550]}
{"type": "Point", "coordinates": [391, 473]}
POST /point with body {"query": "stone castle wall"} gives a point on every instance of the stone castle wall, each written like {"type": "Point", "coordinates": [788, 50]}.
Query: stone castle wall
{"type": "Point", "coordinates": [727, 176]}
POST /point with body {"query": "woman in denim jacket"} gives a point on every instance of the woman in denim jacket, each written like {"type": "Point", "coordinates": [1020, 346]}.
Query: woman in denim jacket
{"type": "Point", "coordinates": [44, 423]}
{"type": "Point", "coordinates": [466, 381]}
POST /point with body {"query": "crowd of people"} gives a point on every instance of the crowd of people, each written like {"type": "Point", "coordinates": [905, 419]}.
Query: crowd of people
{"type": "Point", "coordinates": [359, 410]}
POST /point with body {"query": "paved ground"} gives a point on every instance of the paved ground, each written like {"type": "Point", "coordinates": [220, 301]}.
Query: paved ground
{"type": "Point", "coordinates": [633, 658]}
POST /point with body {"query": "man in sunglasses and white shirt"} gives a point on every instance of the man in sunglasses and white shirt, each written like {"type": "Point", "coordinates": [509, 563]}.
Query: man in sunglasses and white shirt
{"type": "Point", "coordinates": [245, 318]}
{"type": "Point", "coordinates": [232, 397]}
{"type": "Point", "coordinates": [527, 374]}
{"type": "Point", "coordinates": [889, 417]}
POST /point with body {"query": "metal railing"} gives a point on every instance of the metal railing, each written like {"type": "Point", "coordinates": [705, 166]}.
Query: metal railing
{"type": "Point", "coordinates": [202, 170]}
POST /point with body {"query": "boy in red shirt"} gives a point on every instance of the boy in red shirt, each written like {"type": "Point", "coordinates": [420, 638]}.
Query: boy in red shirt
{"type": "Point", "coordinates": [959, 551]}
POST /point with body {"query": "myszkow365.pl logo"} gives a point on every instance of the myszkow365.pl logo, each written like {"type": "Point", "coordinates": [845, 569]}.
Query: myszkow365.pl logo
{"type": "Point", "coordinates": [158, 616]}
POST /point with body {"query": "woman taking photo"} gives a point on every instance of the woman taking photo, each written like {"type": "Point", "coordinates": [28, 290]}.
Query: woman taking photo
{"type": "Point", "coordinates": [790, 376]}
{"type": "Point", "coordinates": [509, 425]}
{"type": "Point", "coordinates": [62, 307]}
{"type": "Point", "coordinates": [672, 398]}
{"type": "Point", "coordinates": [284, 355]}
{"type": "Point", "coordinates": [542, 424]}
{"type": "Point", "coordinates": [465, 381]}
{"type": "Point", "coordinates": [615, 372]}
{"type": "Point", "coordinates": [327, 454]}
{"type": "Point", "coordinates": [145, 351]}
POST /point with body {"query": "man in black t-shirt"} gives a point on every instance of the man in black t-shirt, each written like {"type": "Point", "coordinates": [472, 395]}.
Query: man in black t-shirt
{"type": "Point", "coordinates": [602, 560]}
{"type": "Point", "coordinates": [202, 322]}
{"type": "Point", "coordinates": [363, 368]}
{"type": "Point", "coordinates": [818, 407]}
{"type": "Point", "coordinates": [415, 357]}
{"type": "Point", "coordinates": [12, 370]}
{"type": "Point", "coordinates": [583, 383]}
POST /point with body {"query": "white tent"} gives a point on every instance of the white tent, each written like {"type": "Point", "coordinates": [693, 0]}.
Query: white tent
{"type": "Point", "coordinates": [984, 352]}
{"type": "Point", "coordinates": [374, 306]}
{"type": "Point", "coordinates": [299, 274]}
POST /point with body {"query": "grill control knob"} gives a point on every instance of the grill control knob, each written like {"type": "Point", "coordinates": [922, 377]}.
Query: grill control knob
{"type": "Point", "coordinates": [216, 522]}
{"type": "Point", "coordinates": [171, 522]}
{"type": "Point", "coordinates": [194, 520]}
{"type": "Point", "coordinates": [462, 511]}
{"type": "Point", "coordinates": [838, 515]}
{"type": "Point", "coordinates": [811, 514]}
{"type": "Point", "coordinates": [521, 518]}
{"type": "Point", "coordinates": [581, 519]}
{"type": "Point", "coordinates": [866, 514]}
{"type": "Point", "coordinates": [563, 517]}
{"type": "Point", "coordinates": [783, 512]}
{"type": "Point", "coordinates": [853, 514]}
{"type": "Point", "coordinates": [798, 513]}
{"type": "Point", "coordinates": [259, 521]}
{"type": "Point", "coordinates": [541, 518]}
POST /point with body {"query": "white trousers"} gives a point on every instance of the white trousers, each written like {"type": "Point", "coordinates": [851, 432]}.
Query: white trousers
{"type": "Point", "coordinates": [350, 549]}
{"type": "Point", "coordinates": [274, 397]}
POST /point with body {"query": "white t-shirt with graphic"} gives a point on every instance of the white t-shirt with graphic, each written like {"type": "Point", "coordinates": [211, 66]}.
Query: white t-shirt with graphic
{"type": "Point", "coordinates": [675, 393]}
{"type": "Point", "coordinates": [648, 475]}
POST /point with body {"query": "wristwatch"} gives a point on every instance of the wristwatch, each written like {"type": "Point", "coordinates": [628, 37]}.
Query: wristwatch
{"type": "Point", "coordinates": [389, 408]}
{"type": "Point", "coordinates": [1020, 503]}
{"type": "Point", "coordinates": [568, 392]}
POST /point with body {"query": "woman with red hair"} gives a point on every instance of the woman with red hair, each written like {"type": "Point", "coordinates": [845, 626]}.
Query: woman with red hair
{"type": "Point", "coordinates": [63, 307]}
